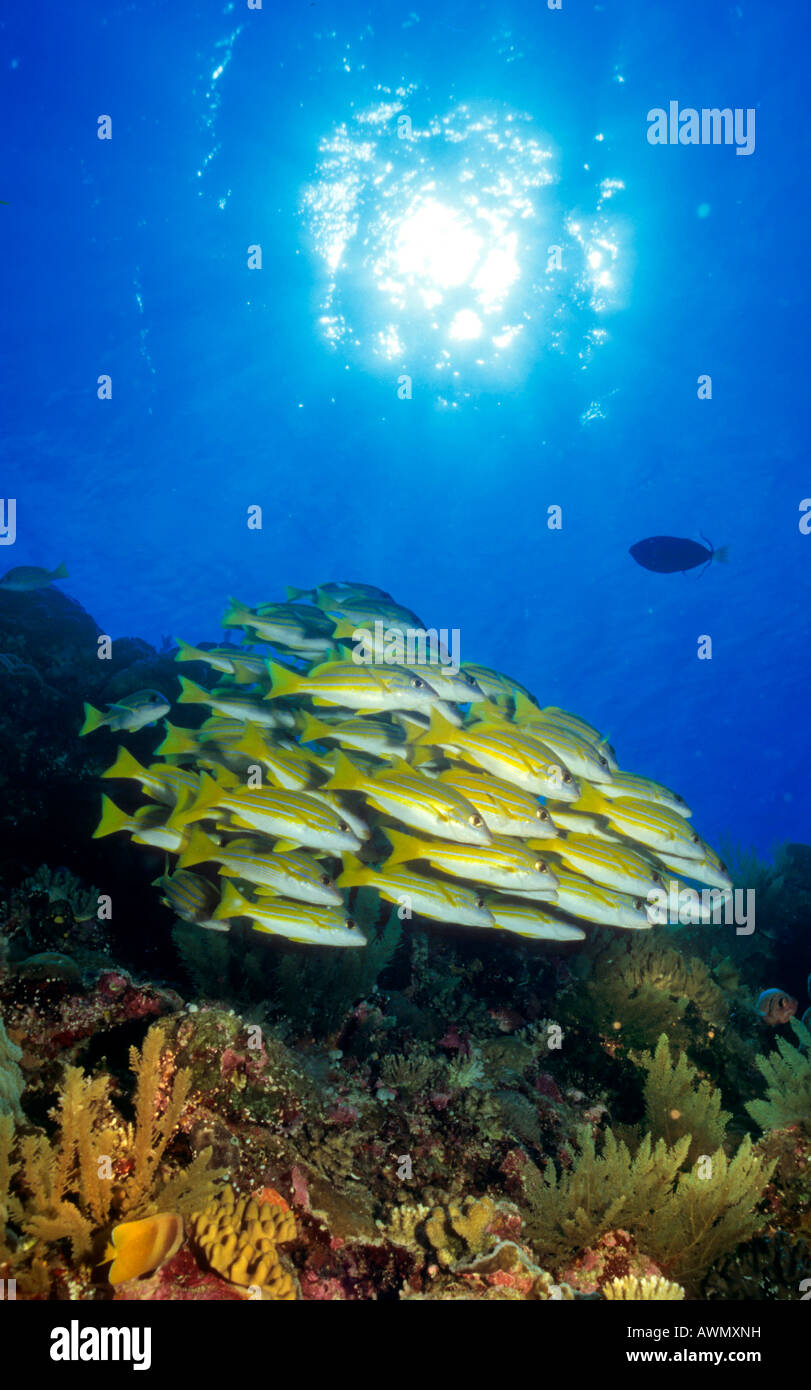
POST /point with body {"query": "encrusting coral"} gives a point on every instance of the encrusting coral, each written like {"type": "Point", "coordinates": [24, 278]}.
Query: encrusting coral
{"type": "Point", "coordinates": [238, 1238]}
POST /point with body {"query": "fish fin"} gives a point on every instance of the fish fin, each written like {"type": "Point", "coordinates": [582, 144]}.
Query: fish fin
{"type": "Point", "coordinates": [590, 800]}
{"type": "Point", "coordinates": [235, 613]}
{"type": "Point", "coordinates": [192, 693]}
{"type": "Point", "coordinates": [177, 740]}
{"type": "Point", "coordinates": [404, 848]}
{"type": "Point", "coordinates": [313, 729]}
{"type": "Point", "coordinates": [252, 742]}
{"type": "Point", "coordinates": [185, 652]}
{"type": "Point", "coordinates": [206, 799]}
{"type": "Point", "coordinates": [231, 904]}
{"type": "Point", "coordinates": [125, 765]}
{"type": "Point", "coordinates": [354, 875]}
{"type": "Point", "coordinates": [112, 819]}
{"type": "Point", "coordinates": [440, 730]}
{"type": "Point", "coordinates": [93, 719]}
{"type": "Point", "coordinates": [285, 845]}
{"type": "Point", "coordinates": [345, 776]}
{"type": "Point", "coordinates": [199, 850]}
{"type": "Point", "coordinates": [344, 631]}
{"type": "Point", "coordinates": [722, 555]}
{"type": "Point", "coordinates": [283, 682]}
{"type": "Point", "coordinates": [291, 594]}
{"type": "Point", "coordinates": [60, 572]}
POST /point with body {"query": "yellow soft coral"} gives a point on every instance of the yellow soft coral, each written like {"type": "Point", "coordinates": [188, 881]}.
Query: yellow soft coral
{"type": "Point", "coordinates": [238, 1237]}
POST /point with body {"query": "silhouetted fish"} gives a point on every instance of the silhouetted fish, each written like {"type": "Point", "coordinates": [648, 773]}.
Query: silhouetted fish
{"type": "Point", "coordinates": [669, 554]}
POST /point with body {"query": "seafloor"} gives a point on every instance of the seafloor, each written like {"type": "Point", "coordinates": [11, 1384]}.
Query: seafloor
{"type": "Point", "coordinates": [440, 1116]}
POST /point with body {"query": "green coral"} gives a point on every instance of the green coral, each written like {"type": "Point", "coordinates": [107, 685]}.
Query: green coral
{"type": "Point", "coordinates": [643, 987]}
{"type": "Point", "coordinates": [683, 1220]}
{"type": "Point", "coordinates": [11, 1078]}
{"type": "Point", "coordinates": [787, 1073]}
{"type": "Point", "coordinates": [679, 1102]}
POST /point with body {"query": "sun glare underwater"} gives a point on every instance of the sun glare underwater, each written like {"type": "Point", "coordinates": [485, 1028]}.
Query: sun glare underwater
{"type": "Point", "coordinates": [449, 245]}
{"type": "Point", "coordinates": [405, 868]}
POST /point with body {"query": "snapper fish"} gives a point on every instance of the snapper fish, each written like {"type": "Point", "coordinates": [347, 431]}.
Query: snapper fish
{"type": "Point", "coordinates": [507, 810]}
{"type": "Point", "coordinates": [132, 713]}
{"type": "Point", "coordinates": [290, 875]}
{"type": "Point", "coordinates": [503, 750]}
{"type": "Point", "coordinates": [22, 579]}
{"type": "Point", "coordinates": [592, 902]}
{"type": "Point", "coordinates": [160, 781]}
{"type": "Point", "coordinates": [294, 817]}
{"type": "Point", "coordinates": [505, 864]}
{"type": "Point", "coordinates": [146, 827]}
{"type": "Point", "coordinates": [306, 922]}
{"type": "Point", "coordinates": [193, 898]}
{"type": "Point", "coordinates": [525, 919]}
{"type": "Point", "coordinates": [225, 701]}
{"type": "Point", "coordinates": [366, 734]}
{"type": "Point", "coordinates": [416, 801]}
{"type": "Point", "coordinates": [430, 897]}
{"type": "Point", "coordinates": [345, 683]}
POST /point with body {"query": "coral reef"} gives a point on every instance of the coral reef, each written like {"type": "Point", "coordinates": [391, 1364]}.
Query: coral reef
{"type": "Point", "coordinates": [238, 1237]}
{"type": "Point", "coordinates": [787, 1073]}
{"type": "Point", "coordinates": [656, 1289]}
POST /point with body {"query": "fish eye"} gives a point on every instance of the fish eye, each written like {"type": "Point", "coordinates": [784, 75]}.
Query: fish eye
{"type": "Point", "coordinates": [343, 825]}
{"type": "Point", "coordinates": [678, 798]}
{"type": "Point", "coordinates": [324, 879]}
{"type": "Point", "coordinates": [567, 776]}
{"type": "Point", "coordinates": [722, 866]}
{"type": "Point", "coordinates": [417, 682]}
{"type": "Point", "coordinates": [638, 904]}
{"type": "Point", "coordinates": [694, 837]}
{"type": "Point", "coordinates": [657, 878]}
{"type": "Point", "coordinates": [542, 814]}
{"type": "Point", "coordinates": [541, 866]}
{"type": "Point", "coordinates": [475, 819]}
{"type": "Point", "coordinates": [480, 902]}
{"type": "Point", "coordinates": [603, 761]}
{"type": "Point", "coordinates": [350, 924]}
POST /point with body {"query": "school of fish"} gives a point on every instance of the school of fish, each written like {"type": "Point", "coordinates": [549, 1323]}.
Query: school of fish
{"type": "Point", "coordinates": [451, 792]}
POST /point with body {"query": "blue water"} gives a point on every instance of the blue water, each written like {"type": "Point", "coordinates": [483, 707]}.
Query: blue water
{"type": "Point", "coordinates": [128, 257]}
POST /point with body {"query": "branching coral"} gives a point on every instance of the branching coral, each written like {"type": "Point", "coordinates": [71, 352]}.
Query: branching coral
{"type": "Point", "coordinates": [787, 1073]}
{"type": "Point", "coordinates": [678, 1102]}
{"type": "Point", "coordinates": [97, 1169]}
{"type": "Point", "coordinates": [684, 1220]}
{"type": "Point", "coordinates": [11, 1078]}
{"type": "Point", "coordinates": [639, 1289]}
{"type": "Point", "coordinates": [642, 987]}
{"type": "Point", "coordinates": [458, 1230]}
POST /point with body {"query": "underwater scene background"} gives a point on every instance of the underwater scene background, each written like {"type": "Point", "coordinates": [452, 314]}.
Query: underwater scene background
{"type": "Point", "coordinates": [339, 962]}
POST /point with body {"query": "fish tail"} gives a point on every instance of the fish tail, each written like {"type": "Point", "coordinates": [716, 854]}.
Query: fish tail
{"type": "Point", "coordinates": [125, 765]}
{"type": "Point", "coordinates": [404, 847]}
{"type": "Point", "coordinates": [112, 819]}
{"type": "Point", "coordinates": [283, 682]}
{"type": "Point", "coordinates": [207, 797]}
{"type": "Point", "coordinates": [192, 693]}
{"type": "Point", "coordinates": [313, 729]}
{"type": "Point", "coordinates": [231, 904]}
{"type": "Point", "coordinates": [93, 719]}
{"type": "Point", "coordinates": [185, 652]}
{"type": "Point", "coordinates": [235, 614]}
{"type": "Point", "coordinates": [199, 850]}
{"type": "Point", "coordinates": [177, 740]}
{"type": "Point", "coordinates": [355, 874]}
{"type": "Point", "coordinates": [344, 631]}
{"type": "Point", "coordinates": [439, 730]}
{"type": "Point", "coordinates": [345, 777]}
{"type": "Point", "coordinates": [60, 572]}
{"type": "Point", "coordinates": [291, 594]}
{"type": "Point", "coordinates": [721, 555]}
